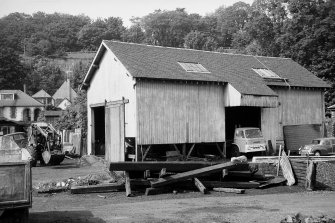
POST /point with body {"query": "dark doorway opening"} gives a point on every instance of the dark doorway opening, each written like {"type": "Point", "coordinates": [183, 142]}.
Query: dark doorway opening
{"type": "Point", "coordinates": [99, 130]}
{"type": "Point", "coordinates": [241, 117]}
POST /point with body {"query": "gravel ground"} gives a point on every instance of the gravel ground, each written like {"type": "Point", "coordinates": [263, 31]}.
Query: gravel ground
{"type": "Point", "coordinates": [267, 205]}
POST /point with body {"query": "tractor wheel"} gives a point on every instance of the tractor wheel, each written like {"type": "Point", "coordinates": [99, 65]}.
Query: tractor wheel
{"type": "Point", "coordinates": [235, 152]}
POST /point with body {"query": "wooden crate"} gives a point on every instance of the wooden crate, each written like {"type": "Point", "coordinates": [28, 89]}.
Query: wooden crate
{"type": "Point", "coordinates": [15, 185]}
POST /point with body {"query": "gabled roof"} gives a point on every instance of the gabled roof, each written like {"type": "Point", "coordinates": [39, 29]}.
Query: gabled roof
{"type": "Point", "coordinates": [144, 61]}
{"type": "Point", "coordinates": [63, 92]}
{"type": "Point", "coordinates": [41, 94]}
{"type": "Point", "coordinates": [21, 99]}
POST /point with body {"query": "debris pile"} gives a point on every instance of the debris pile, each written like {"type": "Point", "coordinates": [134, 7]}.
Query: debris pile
{"type": "Point", "coordinates": [173, 176]}
{"type": "Point", "coordinates": [299, 218]}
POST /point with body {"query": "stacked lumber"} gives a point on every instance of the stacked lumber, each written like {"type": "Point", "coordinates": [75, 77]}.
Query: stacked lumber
{"type": "Point", "coordinates": [175, 176]}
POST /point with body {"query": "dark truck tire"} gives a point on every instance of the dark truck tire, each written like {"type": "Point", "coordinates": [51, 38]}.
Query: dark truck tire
{"type": "Point", "coordinates": [235, 152]}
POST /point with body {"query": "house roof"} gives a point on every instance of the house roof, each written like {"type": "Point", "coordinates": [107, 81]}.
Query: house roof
{"type": "Point", "coordinates": [21, 100]}
{"type": "Point", "coordinates": [41, 94]}
{"type": "Point", "coordinates": [144, 61]}
{"type": "Point", "coordinates": [63, 92]}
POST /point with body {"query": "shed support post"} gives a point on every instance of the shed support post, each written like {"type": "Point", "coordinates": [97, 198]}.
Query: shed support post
{"type": "Point", "coordinates": [189, 153]}
{"type": "Point", "coordinates": [184, 150]}
{"type": "Point", "coordinates": [146, 153]}
{"type": "Point", "coordinates": [220, 151]}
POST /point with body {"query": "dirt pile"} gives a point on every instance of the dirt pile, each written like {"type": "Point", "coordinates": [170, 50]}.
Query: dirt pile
{"type": "Point", "coordinates": [299, 218]}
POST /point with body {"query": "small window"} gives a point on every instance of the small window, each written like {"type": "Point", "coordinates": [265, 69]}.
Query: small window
{"type": "Point", "coordinates": [7, 96]}
{"type": "Point", "coordinates": [240, 133]}
{"type": "Point", "coordinates": [266, 73]}
{"type": "Point", "coordinates": [193, 67]}
{"type": "Point", "coordinates": [13, 112]}
{"type": "Point", "coordinates": [326, 142]}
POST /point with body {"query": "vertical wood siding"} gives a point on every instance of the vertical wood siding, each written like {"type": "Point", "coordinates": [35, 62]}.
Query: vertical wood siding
{"type": "Point", "coordinates": [296, 106]}
{"type": "Point", "coordinates": [170, 113]}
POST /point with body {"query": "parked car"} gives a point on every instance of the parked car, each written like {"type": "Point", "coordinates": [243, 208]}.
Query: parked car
{"type": "Point", "coordinates": [319, 147]}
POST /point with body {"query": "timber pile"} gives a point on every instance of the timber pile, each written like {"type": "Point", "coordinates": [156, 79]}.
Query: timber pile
{"type": "Point", "coordinates": [174, 176]}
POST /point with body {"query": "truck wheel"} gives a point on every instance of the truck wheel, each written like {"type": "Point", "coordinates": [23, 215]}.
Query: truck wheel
{"type": "Point", "coordinates": [317, 153]}
{"type": "Point", "coordinates": [235, 152]}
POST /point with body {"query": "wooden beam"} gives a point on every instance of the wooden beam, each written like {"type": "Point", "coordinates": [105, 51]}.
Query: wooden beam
{"type": "Point", "coordinates": [176, 148]}
{"type": "Point", "coordinates": [229, 190]}
{"type": "Point", "coordinates": [219, 149]}
{"type": "Point", "coordinates": [154, 191]}
{"type": "Point", "coordinates": [189, 152]}
{"type": "Point", "coordinates": [193, 173]}
{"type": "Point", "coordinates": [127, 184]}
{"type": "Point", "coordinates": [146, 153]}
{"type": "Point", "coordinates": [100, 188]}
{"type": "Point", "coordinates": [230, 184]}
{"type": "Point", "coordinates": [170, 166]}
{"type": "Point", "coordinates": [200, 186]}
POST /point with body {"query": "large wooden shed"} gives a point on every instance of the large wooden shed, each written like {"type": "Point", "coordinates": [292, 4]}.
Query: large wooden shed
{"type": "Point", "coordinates": [169, 96]}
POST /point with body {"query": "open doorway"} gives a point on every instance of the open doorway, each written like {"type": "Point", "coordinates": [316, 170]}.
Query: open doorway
{"type": "Point", "coordinates": [99, 130]}
{"type": "Point", "coordinates": [241, 116]}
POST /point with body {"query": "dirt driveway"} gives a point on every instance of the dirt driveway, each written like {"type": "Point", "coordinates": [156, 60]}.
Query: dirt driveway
{"type": "Point", "coordinates": [268, 205]}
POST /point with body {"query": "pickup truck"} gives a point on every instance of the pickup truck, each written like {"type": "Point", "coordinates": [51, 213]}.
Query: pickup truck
{"type": "Point", "coordinates": [248, 140]}
{"type": "Point", "coordinates": [15, 183]}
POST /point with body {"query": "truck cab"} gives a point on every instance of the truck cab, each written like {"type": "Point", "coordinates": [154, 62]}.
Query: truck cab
{"type": "Point", "coordinates": [248, 140]}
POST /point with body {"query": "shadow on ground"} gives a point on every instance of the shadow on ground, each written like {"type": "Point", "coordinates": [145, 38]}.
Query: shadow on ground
{"type": "Point", "coordinates": [64, 217]}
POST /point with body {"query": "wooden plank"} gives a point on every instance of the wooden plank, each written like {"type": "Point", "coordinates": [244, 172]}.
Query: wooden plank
{"type": "Point", "coordinates": [230, 184]}
{"type": "Point", "coordinates": [229, 190]}
{"type": "Point", "coordinates": [172, 166]}
{"type": "Point", "coordinates": [200, 186]}
{"type": "Point", "coordinates": [100, 188]}
{"type": "Point", "coordinates": [190, 152]}
{"type": "Point", "coordinates": [146, 153]}
{"type": "Point", "coordinates": [274, 159]}
{"type": "Point", "coordinates": [287, 169]}
{"type": "Point", "coordinates": [154, 191]}
{"type": "Point", "coordinates": [127, 184]}
{"type": "Point", "coordinates": [193, 173]}
{"type": "Point", "coordinates": [272, 182]}
{"type": "Point", "coordinates": [311, 176]}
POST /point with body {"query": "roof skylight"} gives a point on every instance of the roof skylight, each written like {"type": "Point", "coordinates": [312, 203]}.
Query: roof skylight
{"type": "Point", "coordinates": [193, 67]}
{"type": "Point", "coordinates": [266, 73]}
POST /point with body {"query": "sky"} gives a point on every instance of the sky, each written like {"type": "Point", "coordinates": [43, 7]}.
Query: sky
{"type": "Point", "coordinates": [126, 9]}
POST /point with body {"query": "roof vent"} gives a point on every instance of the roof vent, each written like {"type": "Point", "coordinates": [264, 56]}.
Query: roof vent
{"type": "Point", "coordinates": [268, 74]}
{"type": "Point", "coordinates": [193, 67]}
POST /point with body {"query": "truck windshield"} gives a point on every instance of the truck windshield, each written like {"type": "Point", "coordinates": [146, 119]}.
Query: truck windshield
{"type": "Point", "coordinates": [253, 133]}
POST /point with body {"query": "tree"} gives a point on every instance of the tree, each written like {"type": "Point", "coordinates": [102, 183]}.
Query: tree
{"type": "Point", "coordinates": [230, 20]}
{"type": "Point", "coordinates": [75, 116]}
{"type": "Point", "coordinates": [200, 41]}
{"type": "Point", "coordinates": [78, 73]}
{"type": "Point", "coordinates": [12, 72]}
{"type": "Point", "coordinates": [44, 75]}
{"type": "Point", "coordinates": [134, 34]}
{"type": "Point", "coordinates": [92, 34]}
{"type": "Point", "coordinates": [166, 28]}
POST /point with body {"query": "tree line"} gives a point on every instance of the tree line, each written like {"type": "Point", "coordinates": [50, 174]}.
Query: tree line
{"type": "Point", "coordinates": [303, 30]}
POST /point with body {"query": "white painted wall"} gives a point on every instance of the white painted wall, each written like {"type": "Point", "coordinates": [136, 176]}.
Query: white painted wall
{"type": "Point", "coordinates": [111, 82]}
{"type": "Point", "coordinates": [231, 96]}
{"type": "Point", "coordinates": [64, 104]}
{"type": "Point", "coordinates": [19, 113]}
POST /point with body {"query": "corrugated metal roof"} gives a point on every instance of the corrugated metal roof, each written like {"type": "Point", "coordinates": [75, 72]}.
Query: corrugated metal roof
{"type": "Point", "coordinates": [145, 61]}
{"type": "Point", "coordinates": [21, 100]}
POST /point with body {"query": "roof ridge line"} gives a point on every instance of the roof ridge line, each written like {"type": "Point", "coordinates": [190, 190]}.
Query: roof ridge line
{"type": "Point", "coordinates": [178, 48]}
